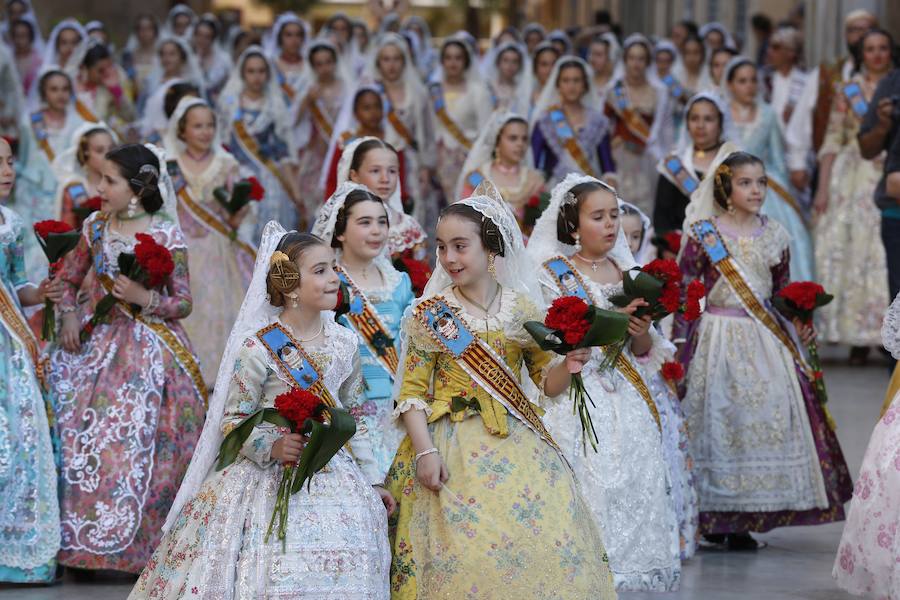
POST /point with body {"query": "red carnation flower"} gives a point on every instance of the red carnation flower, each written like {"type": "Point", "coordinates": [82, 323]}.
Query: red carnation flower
{"type": "Point", "coordinates": [154, 259]}
{"type": "Point", "coordinates": [802, 294]}
{"type": "Point", "coordinates": [45, 228]}
{"type": "Point", "coordinates": [672, 371]}
{"type": "Point", "coordinates": [257, 191]}
{"type": "Point", "coordinates": [664, 270]}
{"type": "Point", "coordinates": [673, 241]}
{"type": "Point", "coordinates": [534, 202]}
{"type": "Point", "coordinates": [695, 291]}
{"type": "Point", "coordinates": [418, 272]}
{"type": "Point", "coordinates": [299, 405]}
{"type": "Point", "coordinates": [567, 315]}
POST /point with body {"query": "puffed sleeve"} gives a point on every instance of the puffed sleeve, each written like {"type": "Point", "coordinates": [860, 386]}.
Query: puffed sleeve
{"type": "Point", "coordinates": [245, 396]}
{"type": "Point", "coordinates": [536, 361]}
{"type": "Point", "coordinates": [351, 394]}
{"type": "Point", "coordinates": [417, 368]}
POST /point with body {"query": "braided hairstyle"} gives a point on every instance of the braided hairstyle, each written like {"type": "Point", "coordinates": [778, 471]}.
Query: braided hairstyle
{"type": "Point", "coordinates": [725, 172]}
{"type": "Point", "coordinates": [284, 270]}
{"type": "Point", "coordinates": [489, 232]}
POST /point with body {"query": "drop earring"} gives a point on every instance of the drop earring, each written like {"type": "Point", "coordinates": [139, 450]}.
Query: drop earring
{"type": "Point", "coordinates": [577, 239]}
{"type": "Point", "coordinates": [132, 208]}
{"type": "Point", "coordinates": [293, 298]}
{"type": "Point", "coordinates": [492, 268]}
{"type": "Point", "coordinates": [730, 207]}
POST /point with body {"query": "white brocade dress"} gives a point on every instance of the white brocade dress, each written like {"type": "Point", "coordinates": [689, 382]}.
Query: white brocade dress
{"type": "Point", "coordinates": [336, 545]}
{"type": "Point", "coordinates": [625, 482]}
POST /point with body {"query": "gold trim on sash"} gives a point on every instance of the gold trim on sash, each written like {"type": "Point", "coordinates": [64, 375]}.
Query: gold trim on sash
{"type": "Point", "coordinates": [288, 90]}
{"type": "Point", "coordinates": [321, 120]}
{"type": "Point", "coordinates": [623, 365]}
{"type": "Point", "coordinates": [401, 129]}
{"type": "Point", "coordinates": [252, 147]}
{"type": "Point", "coordinates": [18, 328]}
{"type": "Point", "coordinates": [573, 146]}
{"type": "Point", "coordinates": [85, 112]}
{"type": "Point", "coordinates": [489, 370]}
{"type": "Point", "coordinates": [318, 387]}
{"type": "Point", "coordinates": [182, 355]}
{"type": "Point", "coordinates": [446, 120]}
{"type": "Point", "coordinates": [211, 220]}
{"type": "Point", "coordinates": [632, 120]}
{"type": "Point", "coordinates": [368, 324]}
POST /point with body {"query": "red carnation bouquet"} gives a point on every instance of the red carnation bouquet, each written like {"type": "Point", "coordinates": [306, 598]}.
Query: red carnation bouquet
{"type": "Point", "coordinates": [672, 372]}
{"type": "Point", "coordinates": [242, 193]}
{"type": "Point", "coordinates": [303, 412]}
{"type": "Point", "coordinates": [659, 284]}
{"type": "Point", "coordinates": [89, 206]}
{"type": "Point", "coordinates": [56, 240]}
{"type": "Point", "coordinates": [799, 300]}
{"type": "Point", "coordinates": [573, 323]}
{"type": "Point", "coordinates": [532, 211]}
{"type": "Point", "coordinates": [668, 244]}
{"type": "Point", "coordinates": [150, 265]}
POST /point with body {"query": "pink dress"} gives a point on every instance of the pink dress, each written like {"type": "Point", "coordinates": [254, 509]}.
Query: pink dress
{"type": "Point", "coordinates": [128, 413]}
{"type": "Point", "coordinates": [868, 558]}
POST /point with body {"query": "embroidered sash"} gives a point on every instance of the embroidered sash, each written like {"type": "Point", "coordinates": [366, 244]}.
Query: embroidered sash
{"type": "Point", "coordinates": [480, 362]}
{"type": "Point", "coordinates": [252, 147]}
{"type": "Point", "coordinates": [856, 100]}
{"type": "Point", "coordinates": [183, 356]}
{"type": "Point", "coordinates": [570, 283]}
{"type": "Point", "coordinates": [85, 112]}
{"type": "Point", "coordinates": [364, 319]}
{"type": "Point", "coordinates": [680, 176]}
{"type": "Point", "coordinates": [706, 232]}
{"type": "Point", "coordinates": [286, 88]}
{"type": "Point", "coordinates": [395, 121]}
{"type": "Point", "coordinates": [294, 362]}
{"type": "Point", "coordinates": [630, 117]}
{"type": "Point", "coordinates": [201, 214]}
{"type": "Point", "coordinates": [440, 109]}
{"type": "Point", "coordinates": [566, 136]}
{"type": "Point", "coordinates": [321, 121]}
{"type": "Point", "coordinates": [39, 127]}
{"type": "Point", "coordinates": [674, 86]}
{"type": "Point", "coordinates": [18, 328]}
{"type": "Point", "coordinates": [76, 194]}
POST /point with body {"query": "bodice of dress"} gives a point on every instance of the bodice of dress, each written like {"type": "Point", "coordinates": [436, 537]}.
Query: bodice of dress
{"type": "Point", "coordinates": [221, 171]}
{"type": "Point", "coordinates": [757, 254]}
{"type": "Point", "coordinates": [257, 381]}
{"type": "Point", "coordinates": [431, 377]}
{"type": "Point", "coordinates": [263, 128]}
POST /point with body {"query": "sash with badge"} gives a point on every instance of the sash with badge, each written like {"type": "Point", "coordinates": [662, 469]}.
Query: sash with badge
{"type": "Point", "coordinates": [675, 89]}
{"type": "Point", "coordinates": [678, 174]}
{"type": "Point", "coordinates": [14, 322]}
{"type": "Point", "coordinates": [293, 362]}
{"type": "Point", "coordinates": [286, 88]}
{"type": "Point", "coordinates": [440, 109]}
{"type": "Point", "coordinates": [570, 283]}
{"type": "Point", "coordinates": [474, 178]}
{"type": "Point", "coordinates": [85, 112]}
{"type": "Point", "coordinates": [395, 121]}
{"type": "Point", "coordinates": [200, 214]}
{"type": "Point", "coordinates": [446, 327]}
{"type": "Point", "coordinates": [635, 123]}
{"type": "Point", "coordinates": [364, 319]}
{"type": "Point", "coordinates": [180, 352]}
{"type": "Point", "coordinates": [250, 147]}
{"type": "Point", "coordinates": [566, 135]}
{"type": "Point", "coordinates": [855, 99]}
{"type": "Point", "coordinates": [39, 128]}
{"type": "Point", "coordinates": [707, 235]}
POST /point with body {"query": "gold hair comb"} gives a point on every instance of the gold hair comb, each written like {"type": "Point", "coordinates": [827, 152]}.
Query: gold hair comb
{"type": "Point", "coordinates": [278, 256]}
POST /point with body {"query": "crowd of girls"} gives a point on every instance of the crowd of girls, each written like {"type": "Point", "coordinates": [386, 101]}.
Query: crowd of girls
{"type": "Point", "coordinates": [449, 193]}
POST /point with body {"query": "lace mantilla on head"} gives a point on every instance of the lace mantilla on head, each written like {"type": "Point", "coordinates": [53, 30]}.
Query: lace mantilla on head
{"type": "Point", "coordinates": [890, 329]}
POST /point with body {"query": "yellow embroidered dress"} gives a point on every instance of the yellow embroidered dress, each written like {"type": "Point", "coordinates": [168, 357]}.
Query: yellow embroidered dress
{"type": "Point", "coordinates": [510, 522]}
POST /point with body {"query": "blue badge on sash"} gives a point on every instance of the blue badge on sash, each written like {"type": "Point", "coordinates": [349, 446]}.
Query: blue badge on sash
{"type": "Point", "coordinates": [37, 123]}
{"type": "Point", "coordinates": [437, 96]}
{"type": "Point", "coordinates": [673, 85]}
{"type": "Point", "coordinates": [291, 358]}
{"type": "Point", "coordinates": [448, 328]}
{"type": "Point", "coordinates": [567, 279]}
{"type": "Point", "coordinates": [621, 98]}
{"type": "Point", "coordinates": [707, 234]}
{"type": "Point", "coordinates": [676, 168]}
{"type": "Point", "coordinates": [97, 245]}
{"type": "Point", "coordinates": [560, 124]}
{"type": "Point", "coordinates": [856, 99]}
{"type": "Point", "coordinates": [474, 179]}
{"type": "Point", "coordinates": [77, 192]}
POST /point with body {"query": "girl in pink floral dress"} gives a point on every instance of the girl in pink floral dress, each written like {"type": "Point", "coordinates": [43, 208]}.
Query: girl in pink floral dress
{"type": "Point", "coordinates": [129, 398]}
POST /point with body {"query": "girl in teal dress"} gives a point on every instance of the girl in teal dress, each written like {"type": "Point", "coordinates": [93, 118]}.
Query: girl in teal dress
{"type": "Point", "coordinates": [355, 222]}
{"type": "Point", "coordinates": [29, 508]}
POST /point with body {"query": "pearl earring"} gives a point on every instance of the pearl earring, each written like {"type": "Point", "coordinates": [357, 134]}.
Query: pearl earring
{"type": "Point", "coordinates": [577, 239]}
{"type": "Point", "coordinates": [492, 268]}
{"type": "Point", "coordinates": [730, 207]}
{"type": "Point", "coordinates": [132, 208]}
{"type": "Point", "coordinates": [293, 299]}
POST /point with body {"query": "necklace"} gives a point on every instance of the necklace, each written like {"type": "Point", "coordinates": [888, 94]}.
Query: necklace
{"type": "Point", "coordinates": [122, 216]}
{"type": "Point", "coordinates": [200, 158]}
{"type": "Point", "coordinates": [306, 340]}
{"type": "Point", "coordinates": [483, 309]}
{"type": "Point", "coordinates": [701, 153]}
{"type": "Point", "coordinates": [595, 264]}
{"type": "Point", "coordinates": [506, 170]}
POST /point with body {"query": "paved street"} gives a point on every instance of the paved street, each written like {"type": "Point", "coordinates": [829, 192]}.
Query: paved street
{"type": "Point", "coordinates": [795, 566]}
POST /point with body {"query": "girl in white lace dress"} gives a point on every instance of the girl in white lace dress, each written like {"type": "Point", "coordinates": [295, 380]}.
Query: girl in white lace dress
{"type": "Point", "coordinates": [336, 542]}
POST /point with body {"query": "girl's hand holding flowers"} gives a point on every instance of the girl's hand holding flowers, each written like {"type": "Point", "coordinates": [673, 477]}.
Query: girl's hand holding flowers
{"type": "Point", "coordinates": [287, 448]}
{"type": "Point", "coordinates": [130, 291]}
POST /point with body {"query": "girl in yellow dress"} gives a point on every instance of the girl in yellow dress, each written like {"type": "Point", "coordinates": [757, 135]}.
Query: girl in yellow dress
{"type": "Point", "coordinates": [488, 507]}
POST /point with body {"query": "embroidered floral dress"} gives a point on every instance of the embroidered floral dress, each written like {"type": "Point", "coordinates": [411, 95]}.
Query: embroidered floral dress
{"type": "Point", "coordinates": [511, 521]}
{"type": "Point", "coordinates": [29, 508]}
{"type": "Point", "coordinates": [626, 480]}
{"type": "Point", "coordinates": [128, 412]}
{"type": "Point", "coordinates": [221, 270]}
{"type": "Point", "coordinates": [336, 545]}
{"type": "Point", "coordinates": [764, 456]}
{"type": "Point", "coordinates": [374, 407]}
{"type": "Point", "coordinates": [850, 257]}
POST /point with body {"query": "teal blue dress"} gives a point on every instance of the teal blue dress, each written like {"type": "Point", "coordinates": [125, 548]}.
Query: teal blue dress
{"type": "Point", "coordinates": [376, 404]}
{"type": "Point", "coordinates": [29, 506]}
{"type": "Point", "coordinates": [763, 138]}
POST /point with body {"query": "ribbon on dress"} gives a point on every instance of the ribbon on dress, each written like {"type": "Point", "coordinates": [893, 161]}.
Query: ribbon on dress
{"type": "Point", "coordinates": [630, 117]}
{"type": "Point", "coordinates": [480, 362]}
{"type": "Point", "coordinates": [322, 122]}
{"type": "Point", "coordinates": [569, 141]}
{"type": "Point", "coordinates": [364, 319]}
{"type": "Point", "coordinates": [212, 221]}
{"type": "Point", "coordinates": [440, 109]}
{"type": "Point", "coordinates": [286, 88]}
{"type": "Point", "coordinates": [85, 112]}
{"type": "Point", "coordinates": [570, 283]}
{"type": "Point", "coordinates": [39, 127]}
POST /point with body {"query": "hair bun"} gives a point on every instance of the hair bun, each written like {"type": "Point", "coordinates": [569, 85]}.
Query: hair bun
{"type": "Point", "coordinates": [283, 273]}
{"type": "Point", "coordinates": [146, 181]}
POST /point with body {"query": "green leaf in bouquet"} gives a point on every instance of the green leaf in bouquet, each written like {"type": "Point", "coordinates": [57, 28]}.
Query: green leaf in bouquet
{"type": "Point", "coordinates": [234, 441]}
{"type": "Point", "coordinates": [127, 261]}
{"type": "Point", "coordinates": [823, 299]}
{"type": "Point", "coordinates": [607, 327]}
{"type": "Point", "coordinates": [57, 245]}
{"type": "Point", "coordinates": [325, 440]}
{"type": "Point", "coordinates": [240, 196]}
{"type": "Point", "coordinates": [221, 194]}
{"type": "Point", "coordinates": [547, 339]}
{"type": "Point", "coordinates": [637, 284]}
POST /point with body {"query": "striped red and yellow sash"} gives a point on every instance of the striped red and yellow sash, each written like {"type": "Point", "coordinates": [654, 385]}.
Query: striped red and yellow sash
{"type": "Point", "coordinates": [365, 320]}
{"type": "Point", "coordinates": [440, 109]}
{"type": "Point", "coordinates": [18, 327]}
